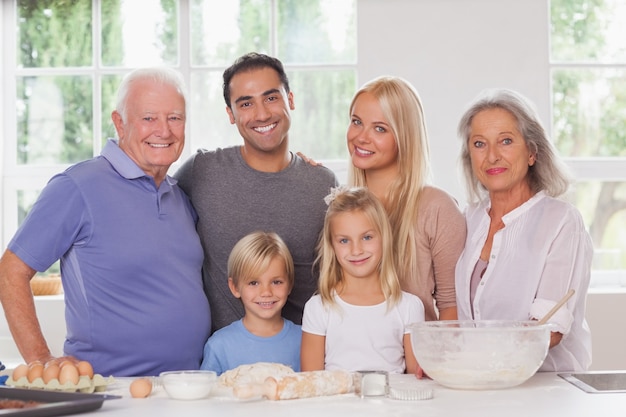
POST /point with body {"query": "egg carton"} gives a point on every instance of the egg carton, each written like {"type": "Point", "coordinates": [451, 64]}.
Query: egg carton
{"type": "Point", "coordinates": [85, 384]}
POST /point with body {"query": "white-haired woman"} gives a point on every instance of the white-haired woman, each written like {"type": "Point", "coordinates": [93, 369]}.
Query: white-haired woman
{"type": "Point", "coordinates": [526, 247]}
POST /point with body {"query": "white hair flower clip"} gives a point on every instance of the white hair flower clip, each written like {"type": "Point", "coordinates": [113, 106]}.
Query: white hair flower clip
{"type": "Point", "coordinates": [334, 191]}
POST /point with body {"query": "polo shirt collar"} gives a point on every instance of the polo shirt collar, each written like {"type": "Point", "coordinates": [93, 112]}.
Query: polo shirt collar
{"type": "Point", "coordinates": [123, 164]}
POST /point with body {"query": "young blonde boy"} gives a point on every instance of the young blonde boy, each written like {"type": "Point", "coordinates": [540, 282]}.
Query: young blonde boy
{"type": "Point", "coordinates": [261, 274]}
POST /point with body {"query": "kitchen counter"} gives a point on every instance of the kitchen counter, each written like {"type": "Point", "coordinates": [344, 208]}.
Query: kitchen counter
{"type": "Point", "coordinates": [545, 394]}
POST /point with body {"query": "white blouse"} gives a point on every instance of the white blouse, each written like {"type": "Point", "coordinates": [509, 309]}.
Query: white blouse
{"type": "Point", "coordinates": [542, 251]}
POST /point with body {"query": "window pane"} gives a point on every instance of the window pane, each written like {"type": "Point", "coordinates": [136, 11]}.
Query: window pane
{"type": "Point", "coordinates": [54, 33]}
{"type": "Point", "coordinates": [54, 119]}
{"type": "Point", "coordinates": [603, 206]}
{"type": "Point", "coordinates": [320, 120]}
{"type": "Point", "coordinates": [588, 30]}
{"type": "Point", "coordinates": [240, 27]}
{"type": "Point", "coordinates": [139, 33]}
{"type": "Point", "coordinates": [25, 201]}
{"type": "Point", "coordinates": [110, 84]}
{"type": "Point", "coordinates": [589, 109]}
{"type": "Point", "coordinates": [210, 126]}
{"type": "Point", "coordinates": [317, 32]}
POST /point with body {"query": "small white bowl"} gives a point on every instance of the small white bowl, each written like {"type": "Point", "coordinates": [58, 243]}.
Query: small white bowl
{"type": "Point", "coordinates": [188, 385]}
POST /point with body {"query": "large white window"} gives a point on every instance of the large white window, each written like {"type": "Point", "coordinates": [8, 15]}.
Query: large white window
{"type": "Point", "coordinates": [588, 72]}
{"type": "Point", "coordinates": [62, 62]}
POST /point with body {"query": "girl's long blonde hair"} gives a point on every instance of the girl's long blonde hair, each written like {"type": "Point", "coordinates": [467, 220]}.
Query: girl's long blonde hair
{"type": "Point", "coordinates": [348, 200]}
{"type": "Point", "coordinates": [402, 107]}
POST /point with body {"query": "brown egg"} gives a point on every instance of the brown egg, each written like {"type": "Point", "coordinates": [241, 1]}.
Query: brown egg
{"type": "Point", "coordinates": [35, 370]}
{"type": "Point", "coordinates": [140, 388]}
{"type": "Point", "coordinates": [85, 369]}
{"type": "Point", "coordinates": [50, 372]}
{"type": "Point", "coordinates": [20, 371]}
{"type": "Point", "coordinates": [68, 373]}
{"type": "Point", "coordinates": [55, 361]}
{"type": "Point", "coordinates": [65, 362]}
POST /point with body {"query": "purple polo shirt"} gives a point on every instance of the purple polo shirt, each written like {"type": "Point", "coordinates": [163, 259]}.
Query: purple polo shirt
{"type": "Point", "coordinates": [130, 262]}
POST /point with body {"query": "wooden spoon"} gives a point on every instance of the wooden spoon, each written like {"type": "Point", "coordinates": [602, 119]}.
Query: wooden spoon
{"type": "Point", "coordinates": [557, 306]}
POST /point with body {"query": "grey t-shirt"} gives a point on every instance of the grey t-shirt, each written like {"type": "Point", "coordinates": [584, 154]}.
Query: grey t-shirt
{"type": "Point", "coordinates": [233, 200]}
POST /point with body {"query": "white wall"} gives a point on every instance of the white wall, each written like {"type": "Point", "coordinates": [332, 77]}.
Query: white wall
{"type": "Point", "coordinates": [450, 50]}
{"type": "Point", "coordinates": [605, 316]}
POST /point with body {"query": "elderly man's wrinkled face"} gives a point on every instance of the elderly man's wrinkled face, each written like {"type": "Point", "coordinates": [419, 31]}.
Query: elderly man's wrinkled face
{"type": "Point", "coordinates": [499, 154]}
{"type": "Point", "coordinates": [153, 132]}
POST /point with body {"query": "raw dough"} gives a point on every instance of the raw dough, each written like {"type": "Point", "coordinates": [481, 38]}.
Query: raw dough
{"type": "Point", "coordinates": [255, 373]}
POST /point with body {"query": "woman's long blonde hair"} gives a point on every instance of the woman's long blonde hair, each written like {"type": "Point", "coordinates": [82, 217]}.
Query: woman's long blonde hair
{"type": "Point", "coordinates": [349, 200]}
{"type": "Point", "coordinates": [402, 107]}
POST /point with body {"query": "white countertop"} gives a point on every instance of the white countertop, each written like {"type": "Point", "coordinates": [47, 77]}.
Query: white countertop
{"type": "Point", "coordinates": [545, 394]}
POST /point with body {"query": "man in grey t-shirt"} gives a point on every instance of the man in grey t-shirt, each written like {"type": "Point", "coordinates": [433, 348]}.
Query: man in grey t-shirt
{"type": "Point", "coordinates": [260, 185]}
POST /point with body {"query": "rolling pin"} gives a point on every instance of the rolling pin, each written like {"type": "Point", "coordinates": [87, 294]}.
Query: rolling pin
{"type": "Point", "coordinates": [299, 385]}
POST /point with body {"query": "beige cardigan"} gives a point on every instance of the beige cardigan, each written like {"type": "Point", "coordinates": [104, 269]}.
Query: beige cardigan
{"type": "Point", "coordinates": [440, 241]}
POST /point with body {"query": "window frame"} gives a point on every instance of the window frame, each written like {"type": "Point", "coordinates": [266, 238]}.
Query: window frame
{"type": "Point", "coordinates": [592, 168]}
{"type": "Point", "coordinates": [16, 177]}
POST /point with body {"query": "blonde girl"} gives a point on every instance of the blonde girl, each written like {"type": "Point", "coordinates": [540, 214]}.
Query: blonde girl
{"type": "Point", "coordinates": [389, 154]}
{"type": "Point", "coordinates": [358, 319]}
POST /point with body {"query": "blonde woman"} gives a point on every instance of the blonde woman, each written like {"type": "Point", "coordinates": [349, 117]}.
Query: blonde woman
{"type": "Point", "coordinates": [389, 154]}
{"type": "Point", "coordinates": [358, 319]}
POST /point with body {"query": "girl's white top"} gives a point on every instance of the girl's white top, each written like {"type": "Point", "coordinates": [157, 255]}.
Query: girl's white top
{"type": "Point", "coordinates": [360, 338]}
